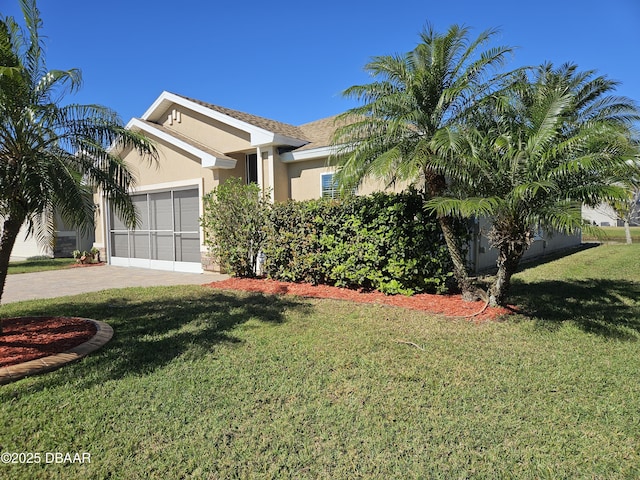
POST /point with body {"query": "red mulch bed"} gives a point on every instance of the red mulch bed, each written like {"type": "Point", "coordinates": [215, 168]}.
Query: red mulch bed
{"type": "Point", "coordinates": [449, 305]}
{"type": "Point", "coordinates": [80, 265]}
{"type": "Point", "coordinates": [29, 338]}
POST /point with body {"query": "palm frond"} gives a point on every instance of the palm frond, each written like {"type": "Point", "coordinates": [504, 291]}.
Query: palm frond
{"type": "Point", "coordinates": [464, 207]}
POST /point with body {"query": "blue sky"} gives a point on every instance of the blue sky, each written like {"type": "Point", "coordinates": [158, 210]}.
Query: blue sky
{"type": "Point", "coordinates": [290, 60]}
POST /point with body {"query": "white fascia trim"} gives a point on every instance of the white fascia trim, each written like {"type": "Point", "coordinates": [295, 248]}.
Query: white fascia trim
{"type": "Point", "coordinates": [164, 98]}
{"type": "Point", "coordinates": [311, 154]}
{"type": "Point", "coordinates": [176, 185]}
{"type": "Point", "coordinates": [259, 136]}
{"type": "Point", "coordinates": [206, 159]}
{"type": "Point", "coordinates": [264, 138]}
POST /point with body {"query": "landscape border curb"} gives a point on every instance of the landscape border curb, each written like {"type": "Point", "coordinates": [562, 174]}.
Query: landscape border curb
{"type": "Point", "coordinates": [11, 373]}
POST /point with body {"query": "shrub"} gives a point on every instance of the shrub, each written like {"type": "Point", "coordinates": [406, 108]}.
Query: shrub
{"type": "Point", "coordinates": [234, 221]}
{"type": "Point", "coordinates": [382, 241]}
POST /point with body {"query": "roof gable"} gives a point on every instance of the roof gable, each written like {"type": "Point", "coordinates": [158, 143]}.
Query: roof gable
{"type": "Point", "coordinates": [263, 131]}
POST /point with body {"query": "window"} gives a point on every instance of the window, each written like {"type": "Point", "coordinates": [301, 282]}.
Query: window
{"type": "Point", "coordinates": [252, 168]}
{"type": "Point", "coordinates": [329, 188]}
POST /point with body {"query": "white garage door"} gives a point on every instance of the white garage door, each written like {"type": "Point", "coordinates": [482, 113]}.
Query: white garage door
{"type": "Point", "coordinates": [168, 235]}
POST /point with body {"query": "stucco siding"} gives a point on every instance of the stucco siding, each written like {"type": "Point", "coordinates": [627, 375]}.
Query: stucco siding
{"type": "Point", "coordinates": [281, 189]}
{"type": "Point", "coordinates": [304, 178]}
{"type": "Point", "coordinates": [602, 215]}
{"type": "Point", "coordinates": [220, 136]}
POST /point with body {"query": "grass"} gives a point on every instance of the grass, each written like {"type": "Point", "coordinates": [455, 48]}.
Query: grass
{"type": "Point", "coordinates": [200, 384]}
{"type": "Point", "coordinates": [613, 234]}
{"type": "Point", "coordinates": [39, 265]}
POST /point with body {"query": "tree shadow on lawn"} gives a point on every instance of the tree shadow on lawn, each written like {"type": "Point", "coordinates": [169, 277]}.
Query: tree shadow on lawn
{"type": "Point", "coordinates": [149, 334]}
{"type": "Point", "coordinates": [604, 307]}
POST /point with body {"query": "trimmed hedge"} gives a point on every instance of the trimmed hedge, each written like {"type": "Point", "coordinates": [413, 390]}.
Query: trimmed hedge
{"type": "Point", "coordinates": [382, 241]}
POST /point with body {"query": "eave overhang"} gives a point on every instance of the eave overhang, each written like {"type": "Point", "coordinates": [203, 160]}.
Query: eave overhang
{"type": "Point", "coordinates": [309, 154]}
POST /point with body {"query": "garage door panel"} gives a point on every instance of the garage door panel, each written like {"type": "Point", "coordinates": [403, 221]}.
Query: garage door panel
{"type": "Point", "coordinates": [187, 247]}
{"type": "Point", "coordinates": [162, 246]}
{"type": "Point", "coordinates": [161, 216]}
{"type": "Point", "coordinates": [168, 232]}
{"type": "Point", "coordinates": [139, 245]}
{"type": "Point", "coordinates": [142, 212]}
{"type": "Point", "coordinates": [186, 205]}
{"type": "Point", "coordinates": [120, 244]}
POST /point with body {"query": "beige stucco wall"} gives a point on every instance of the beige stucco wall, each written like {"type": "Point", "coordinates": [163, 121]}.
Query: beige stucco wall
{"type": "Point", "coordinates": [175, 165]}
{"type": "Point", "coordinates": [305, 180]}
{"type": "Point", "coordinates": [99, 219]}
{"type": "Point", "coordinates": [281, 189]}
{"type": "Point", "coordinates": [217, 135]}
{"type": "Point", "coordinates": [172, 166]}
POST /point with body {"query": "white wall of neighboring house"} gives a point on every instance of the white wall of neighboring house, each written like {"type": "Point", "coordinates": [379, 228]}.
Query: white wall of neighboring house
{"type": "Point", "coordinates": [603, 215]}
{"type": "Point", "coordinates": [27, 246]}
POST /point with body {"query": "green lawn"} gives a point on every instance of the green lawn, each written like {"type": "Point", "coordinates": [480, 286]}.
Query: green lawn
{"type": "Point", "coordinates": [200, 384]}
{"type": "Point", "coordinates": [39, 265]}
{"type": "Point", "coordinates": [613, 234]}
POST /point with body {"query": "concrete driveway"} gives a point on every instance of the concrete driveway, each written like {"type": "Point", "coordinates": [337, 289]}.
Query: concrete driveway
{"type": "Point", "coordinates": [72, 281]}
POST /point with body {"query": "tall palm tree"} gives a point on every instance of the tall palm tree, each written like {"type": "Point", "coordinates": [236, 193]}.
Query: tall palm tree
{"type": "Point", "coordinates": [53, 157]}
{"type": "Point", "coordinates": [628, 209]}
{"type": "Point", "coordinates": [550, 141]}
{"type": "Point", "coordinates": [414, 96]}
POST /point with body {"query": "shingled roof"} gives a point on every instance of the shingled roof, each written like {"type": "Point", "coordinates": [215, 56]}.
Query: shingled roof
{"type": "Point", "coordinates": [261, 122]}
{"type": "Point", "coordinates": [319, 132]}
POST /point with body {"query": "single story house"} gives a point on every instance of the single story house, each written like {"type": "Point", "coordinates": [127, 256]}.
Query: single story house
{"type": "Point", "coordinates": [201, 145]}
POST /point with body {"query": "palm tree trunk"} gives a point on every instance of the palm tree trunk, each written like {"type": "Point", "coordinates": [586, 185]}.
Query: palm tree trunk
{"type": "Point", "coordinates": [10, 230]}
{"type": "Point", "coordinates": [627, 231]}
{"type": "Point", "coordinates": [467, 288]}
{"type": "Point", "coordinates": [509, 256]}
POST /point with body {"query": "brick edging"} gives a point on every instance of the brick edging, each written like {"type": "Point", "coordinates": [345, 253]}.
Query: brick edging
{"type": "Point", "coordinates": [11, 373]}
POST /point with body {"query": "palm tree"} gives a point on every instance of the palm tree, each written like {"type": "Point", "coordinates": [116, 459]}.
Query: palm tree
{"type": "Point", "coordinates": [415, 96]}
{"type": "Point", "coordinates": [53, 157]}
{"type": "Point", "coordinates": [544, 146]}
{"type": "Point", "coordinates": [627, 210]}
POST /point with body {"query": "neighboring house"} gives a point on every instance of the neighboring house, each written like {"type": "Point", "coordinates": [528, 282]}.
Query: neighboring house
{"type": "Point", "coordinates": [66, 240]}
{"type": "Point", "coordinates": [200, 146]}
{"type": "Point", "coordinates": [604, 216]}
{"type": "Point", "coordinates": [482, 257]}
